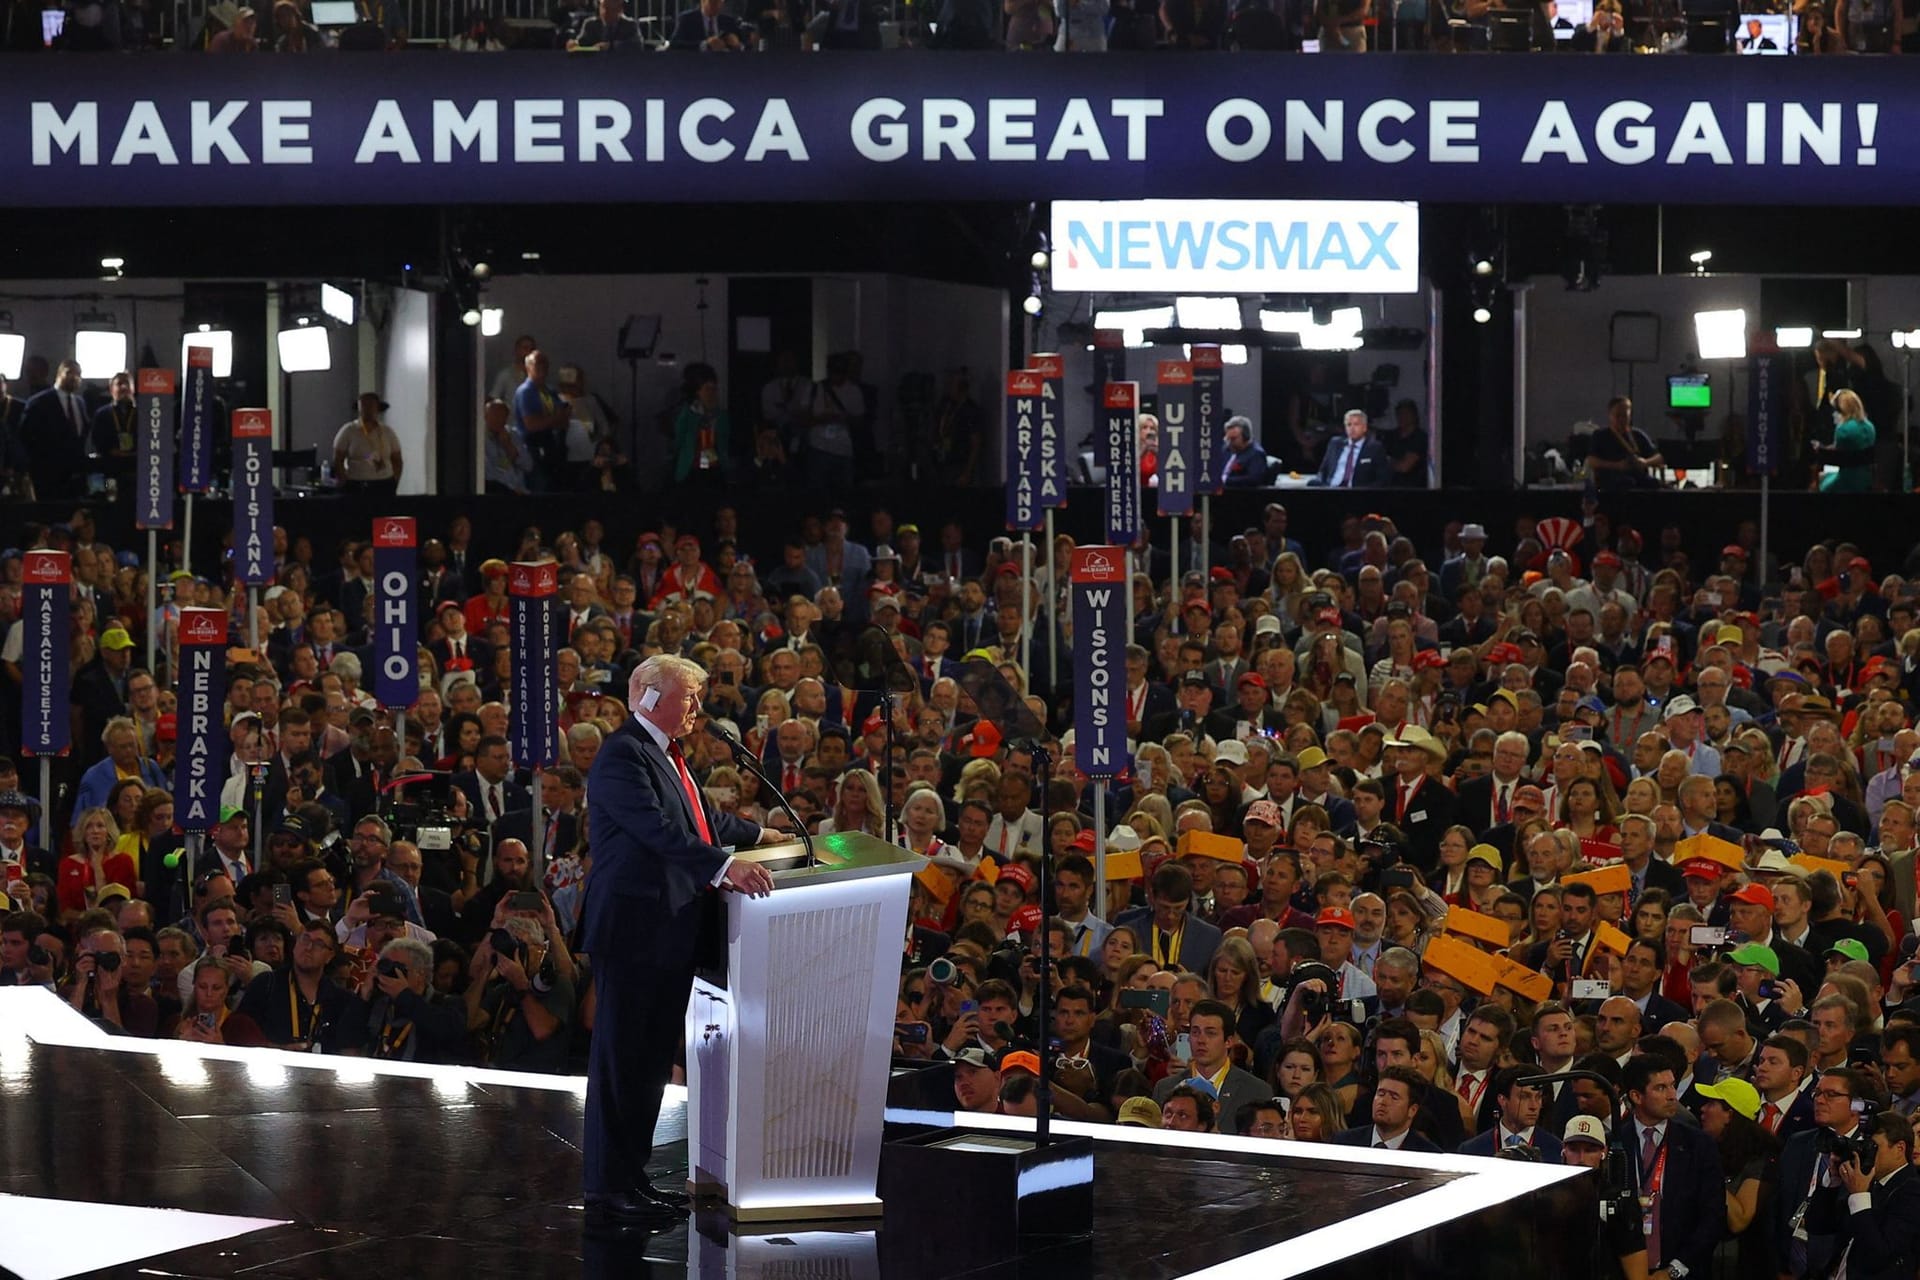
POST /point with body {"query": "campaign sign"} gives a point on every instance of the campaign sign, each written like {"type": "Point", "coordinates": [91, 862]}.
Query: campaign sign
{"type": "Point", "coordinates": [1209, 375]}
{"type": "Point", "coordinates": [1052, 427]}
{"type": "Point", "coordinates": [535, 714]}
{"type": "Point", "coordinates": [45, 657]}
{"type": "Point", "coordinates": [253, 496]}
{"type": "Point", "coordinates": [1120, 410]}
{"type": "Point", "coordinates": [1177, 459]}
{"type": "Point", "coordinates": [1026, 389]}
{"type": "Point", "coordinates": [1099, 577]}
{"type": "Point", "coordinates": [153, 470]}
{"type": "Point", "coordinates": [200, 765]}
{"type": "Point", "coordinates": [196, 423]}
{"type": "Point", "coordinates": [396, 612]}
{"type": "Point", "coordinates": [1766, 412]}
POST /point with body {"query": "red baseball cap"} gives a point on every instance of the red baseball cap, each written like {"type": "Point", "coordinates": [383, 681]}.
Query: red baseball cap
{"type": "Point", "coordinates": [1027, 919]}
{"type": "Point", "coordinates": [1701, 869]}
{"type": "Point", "coordinates": [1084, 841]}
{"type": "Point", "coordinates": [1757, 895]}
{"type": "Point", "coordinates": [1251, 678]}
{"type": "Point", "coordinates": [167, 727]}
{"type": "Point", "coordinates": [1019, 874]}
{"type": "Point", "coordinates": [1339, 917]}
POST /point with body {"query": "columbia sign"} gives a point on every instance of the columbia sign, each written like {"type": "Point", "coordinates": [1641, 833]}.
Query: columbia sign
{"type": "Point", "coordinates": [1236, 246]}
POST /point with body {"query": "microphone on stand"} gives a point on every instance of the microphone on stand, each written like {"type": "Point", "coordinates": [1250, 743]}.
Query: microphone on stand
{"type": "Point", "coordinates": [744, 758]}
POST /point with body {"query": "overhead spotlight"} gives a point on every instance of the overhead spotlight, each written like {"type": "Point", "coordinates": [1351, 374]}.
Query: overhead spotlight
{"type": "Point", "coordinates": [1482, 314]}
{"type": "Point", "coordinates": [530, 255]}
{"type": "Point", "coordinates": [13, 348]}
{"type": "Point", "coordinates": [1032, 304]}
{"type": "Point", "coordinates": [1700, 258]}
{"type": "Point", "coordinates": [481, 271]}
{"type": "Point", "coordinates": [470, 317]}
{"type": "Point", "coordinates": [1039, 260]}
{"type": "Point", "coordinates": [1483, 266]}
{"type": "Point", "coordinates": [1908, 339]}
{"type": "Point", "coordinates": [1842, 335]}
{"type": "Point", "coordinates": [491, 319]}
{"type": "Point", "coordinates": [1797, 338]}
{"type": "Point", "coordinates": [112, 268]}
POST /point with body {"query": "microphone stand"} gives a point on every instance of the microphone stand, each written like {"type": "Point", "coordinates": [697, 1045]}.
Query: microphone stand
{"type": "Point", "coordinates": [744, 758]}
{"type": "Point", "coordinates": [886, 766]}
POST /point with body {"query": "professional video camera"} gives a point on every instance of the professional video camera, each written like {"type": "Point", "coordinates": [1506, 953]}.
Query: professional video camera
{"type": "Point", "coordinates": [1315, 1005]}
{"type": "Point", "coordinates": [1383, 862]}
{"type": "Point", "coordinates": [417, 809]}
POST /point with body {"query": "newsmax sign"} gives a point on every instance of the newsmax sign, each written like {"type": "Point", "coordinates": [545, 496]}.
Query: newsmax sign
{"type": "Point", "coordinates": [1236, 246]}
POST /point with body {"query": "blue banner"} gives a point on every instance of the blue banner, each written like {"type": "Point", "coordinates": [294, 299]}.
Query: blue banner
{"type": "Point", "coordinates": [46, 662]}
{"type": "Point", "coordinates": [1767, 378]}
{"type": "Point", "coordinates": [153, 472]}
{"type": "Point", "coordinates": [1052, 427]}
{"type": "Point", "coordinates": [196, 422]}
{"type": "Point", "coordinates": [1120, 419]}
{"type": "Point", "coordinates": [396, 612]}
{"type": "Point", "coordinates": [1099, 576]}
{"type": "Point", "coordinates": [1025, 389]}
{"type": "Point", "coordinates": [1176, 455]}
{"type": "Point", "coordinates": [253, 496]}
{"type": "Point", "coordinates": [980, 127]}
{"type": "Point", "coordinates": [200, 762]}
{"type": "Point", "coordinates": [1209, 384]}
{"type": "Point", "coordinates": [534, 716]}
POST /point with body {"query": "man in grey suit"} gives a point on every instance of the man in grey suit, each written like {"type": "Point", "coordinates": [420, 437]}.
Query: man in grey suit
{"type": "Point", "coordinates": [1167, 929]}
{"type": "Point", "coordinates": [1354, 459]}
{"type": "Point", "coordinates": [1210, 1028]}
{"type": "Point", "coordinates": [656, 851]}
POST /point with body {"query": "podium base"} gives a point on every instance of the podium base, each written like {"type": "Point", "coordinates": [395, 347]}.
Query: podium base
{"type": "Point", "coordinates": [709, 1196]}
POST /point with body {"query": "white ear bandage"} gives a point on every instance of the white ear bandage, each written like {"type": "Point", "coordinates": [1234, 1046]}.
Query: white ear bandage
{"type": "Point", "coordinates": [649, 699]}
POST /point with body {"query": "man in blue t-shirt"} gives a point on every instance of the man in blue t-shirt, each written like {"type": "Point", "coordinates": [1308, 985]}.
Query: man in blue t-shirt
{"type": "Point", "coordinates": [541, 417]}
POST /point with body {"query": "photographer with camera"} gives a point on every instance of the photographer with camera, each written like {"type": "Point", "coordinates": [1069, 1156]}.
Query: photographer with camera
{"type": "Point", "coordinates": [397, 1015]}
{"type": "Point", "coordinates": [219, 921]}
{"type": "Point", "coordinates": [96, 987]}
{"type": "Point", "coordinates": [24, 962]}
{"type": "Point", "coordinates": [1873, 1212]}
{"type": "Point", "coordinates": [1806, 1239]}
{"type": "Point", "coordinates": [520, 1007]}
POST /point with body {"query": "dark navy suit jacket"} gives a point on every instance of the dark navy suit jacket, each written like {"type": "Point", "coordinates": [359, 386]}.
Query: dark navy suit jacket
{"type": "Point", "coordinates": [647, 855]}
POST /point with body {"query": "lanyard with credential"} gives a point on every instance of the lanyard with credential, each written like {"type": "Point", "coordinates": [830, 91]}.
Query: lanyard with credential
{"type": "Point", "coordinates": [390, 1041]}
{"type": "Point", "coordinates": [1173, 944]}
{"type": "Point", "coordinates": [293, 1010]}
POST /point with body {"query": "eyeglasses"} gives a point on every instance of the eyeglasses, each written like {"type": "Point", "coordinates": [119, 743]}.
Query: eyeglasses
{"type": "Point", "coordinates": [1070, 1062]}
{"type": "Point", "coordinates": [1832, 1095]}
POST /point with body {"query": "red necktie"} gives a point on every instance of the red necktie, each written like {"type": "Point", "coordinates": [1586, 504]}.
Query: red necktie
{"type": "Point", "coordinates": [1501, 811]}
{"type": "Point", "coordinates": [693, 793]}
{"type": "Point", "coordinates": [790, 781]}
{"type": "Point", "coordinates": [1770, 1117]}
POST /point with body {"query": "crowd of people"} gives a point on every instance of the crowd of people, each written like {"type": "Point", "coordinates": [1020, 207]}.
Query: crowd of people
{"type": "Point", "coordinates": [1400, 829]}
{"type": "Point", "coordinates": [1067, 26]}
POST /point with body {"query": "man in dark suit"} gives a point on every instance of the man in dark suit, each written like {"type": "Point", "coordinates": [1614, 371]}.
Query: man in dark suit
{"type": "Point", "coordinates": [57, 428]}
{"type": "Point", "coordinates": [1417, 803]}
{"type": "Point", "coordinates": [1808, 1177]}
{"type": "Point", "coordinates": [1640, 974]}
{"type": "Point", "coordinates": [1244, 465]}
{"type": "Point", "coordinates": [656, 851]}
{"type": "Point", "coordinates": [1517, 1107]}
{"type": "Point", "coordinates": [457, 646]}
{"type": "Point", "coordinates": [708, 30]}
{"type": "Point", "coordinates": [1487, 801]}
{"type": "Point", "coordinates": [1397, 1100]}
{"type": "Point", "coordinates": [491, 790]}
{"type": "Point", "coordinates": [1874, 1211]}
{"type": "Point", "coordinates": [1675, 1164]}
{"type": "Point", "coordinates": [1354, 459]}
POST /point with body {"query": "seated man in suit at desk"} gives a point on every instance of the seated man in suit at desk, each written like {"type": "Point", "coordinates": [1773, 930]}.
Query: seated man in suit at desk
{"type": "Point", "coordinates": [708, 30]}
{"type": "Point", "coordinates": [609, 28]}
{"type": "Point", "coordinates": [1245, 464]}
{"type": "Point", "coordinates": [1354, 459]}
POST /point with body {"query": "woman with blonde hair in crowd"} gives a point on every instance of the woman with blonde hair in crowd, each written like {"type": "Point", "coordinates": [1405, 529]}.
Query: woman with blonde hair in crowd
{"type": "Point", "coordinates": [858, 806]}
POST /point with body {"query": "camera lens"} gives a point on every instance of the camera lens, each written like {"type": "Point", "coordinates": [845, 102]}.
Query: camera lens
{"type": "Point", "coordinates": [942, 971]}
{"type": "Point", "coordinates": [107, 962]}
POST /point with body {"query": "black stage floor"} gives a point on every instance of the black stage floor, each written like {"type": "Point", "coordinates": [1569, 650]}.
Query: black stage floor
{"type": "Point", "coordinates": [356, 1174]}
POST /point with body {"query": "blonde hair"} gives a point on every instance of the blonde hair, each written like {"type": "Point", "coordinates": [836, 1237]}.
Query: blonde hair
{"type": "Point", "coordinates": [1849, 404]}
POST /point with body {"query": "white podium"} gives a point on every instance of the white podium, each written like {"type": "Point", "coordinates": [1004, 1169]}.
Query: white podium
{"type": "Point", "coordinates": [787, 1054]}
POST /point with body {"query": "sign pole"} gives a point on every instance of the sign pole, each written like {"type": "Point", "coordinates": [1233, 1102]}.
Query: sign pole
{"type": "Point", "coordinates": [1100, 587]}
{"type": "Point", "coordinates": [535, 713]}
{"type": "Point", "coordinates": [186, 535]}
{"type": "Point", "coordinates": [1053, 602]}
{"type": "Point", "coordinates": [1178, 463]}
{"type": "Point", "coordinates": [253, 619]}
{"type": "Point", "coordinates": [46, 728]}
{"type": "Point", "coordinates": [1026, 606]}
{"type": "Point", "coordinates": [154, 488]}
{"type": "Point", "coordinates": [1206, 535]}
{"type": "Point", "coordinates": [153, 598]}
{"type": "Point", "coordinates": [537, 827]}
